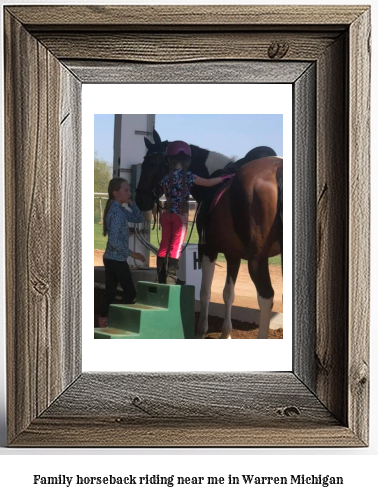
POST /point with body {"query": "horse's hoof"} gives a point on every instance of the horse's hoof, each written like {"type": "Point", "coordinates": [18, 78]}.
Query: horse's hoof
{"type": "Point", "coordinates": [226, 335]}
{"type": "Point", "coordinates": [201, 331]}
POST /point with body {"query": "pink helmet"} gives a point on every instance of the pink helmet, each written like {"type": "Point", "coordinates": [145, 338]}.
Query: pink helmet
{"type": "Point", "coordinates": [178, 147]}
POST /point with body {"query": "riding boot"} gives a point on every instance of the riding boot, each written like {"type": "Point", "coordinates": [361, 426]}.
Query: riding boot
{"type": "Point", "coordinates": [161, 269]}
{"type": "Point", "coordinates": [172, 278]}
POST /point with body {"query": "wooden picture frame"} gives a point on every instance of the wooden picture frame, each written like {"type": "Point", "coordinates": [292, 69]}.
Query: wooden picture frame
{"type": "Point", "coordinates": [324, 52]}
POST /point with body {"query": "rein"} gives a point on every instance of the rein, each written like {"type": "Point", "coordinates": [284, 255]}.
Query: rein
{"type": "Point", "coordinates": [194, 221]}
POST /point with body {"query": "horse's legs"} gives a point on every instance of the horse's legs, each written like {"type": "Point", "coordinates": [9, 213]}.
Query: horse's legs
{"type": "Point", "coordinates": [233, 266]}
{"type": "Point", "coordinates": [208, 268]}
{"type": "Point", "coordinates": [259, 271]}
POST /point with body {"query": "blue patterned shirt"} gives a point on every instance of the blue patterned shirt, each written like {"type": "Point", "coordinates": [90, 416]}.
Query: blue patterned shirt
{"type": "Point", "coordinates": [175, 191]}
{"type": "Point", "coordinates": [117, 219]}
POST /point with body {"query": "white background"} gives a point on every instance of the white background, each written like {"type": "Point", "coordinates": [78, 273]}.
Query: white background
{"type": "Point", "coordinates": [169, 355]}
{"type": "Point", "coordinates": [358, 466]}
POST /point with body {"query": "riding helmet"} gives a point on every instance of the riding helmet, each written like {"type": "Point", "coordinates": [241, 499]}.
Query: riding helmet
{"type": "Point", "coordinates": [178, 148]}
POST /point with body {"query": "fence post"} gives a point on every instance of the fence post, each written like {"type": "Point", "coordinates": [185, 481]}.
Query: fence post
{"type": "Point", "coordinates": [101, 212]}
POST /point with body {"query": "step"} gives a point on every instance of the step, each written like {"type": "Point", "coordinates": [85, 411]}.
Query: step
{"type": "Point", "coordinates": [156, 294]}
{"type": "Point", "coordinates": [133, 316]}
{"type": "Point", "coordinates": [160, 312]}
{"type": "Point", "coordinates": [114, 333]}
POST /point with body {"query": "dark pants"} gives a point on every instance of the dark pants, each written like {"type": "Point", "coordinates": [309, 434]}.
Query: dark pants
{"type": "Point", "coordinates": [117, 272]}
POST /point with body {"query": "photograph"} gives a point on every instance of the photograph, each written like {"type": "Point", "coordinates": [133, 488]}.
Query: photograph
{"type": "Point", "coordinates": [188, 240]}
{"type": "Point", "coordinates": [159, 212]}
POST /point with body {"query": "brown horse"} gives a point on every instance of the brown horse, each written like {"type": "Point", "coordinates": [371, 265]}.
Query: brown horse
{"type": "Point", "coordinates": [245, 223]}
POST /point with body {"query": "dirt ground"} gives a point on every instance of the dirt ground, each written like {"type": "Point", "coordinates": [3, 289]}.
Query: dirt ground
{"type": "Point", "coordinates": [240, 329]}
{"type": "Point", "coordinates": [245, 292]}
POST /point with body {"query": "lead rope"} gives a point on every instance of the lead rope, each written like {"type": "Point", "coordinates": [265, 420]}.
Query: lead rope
{"type": "Point", "coordinates": [191, 231]}
{"type": "Point", "coordinates": [159, 210]}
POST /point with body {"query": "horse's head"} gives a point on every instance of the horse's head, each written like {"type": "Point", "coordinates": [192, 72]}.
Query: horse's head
{"type": "Point", "coordinates": [154, 168]}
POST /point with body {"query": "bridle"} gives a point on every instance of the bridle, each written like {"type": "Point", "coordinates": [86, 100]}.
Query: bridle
{"type": "Point", "coordinates": [154, 192]}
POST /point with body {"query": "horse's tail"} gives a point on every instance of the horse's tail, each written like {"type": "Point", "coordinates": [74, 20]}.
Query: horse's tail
{"type": "Point", "coordinates": [279, 178]}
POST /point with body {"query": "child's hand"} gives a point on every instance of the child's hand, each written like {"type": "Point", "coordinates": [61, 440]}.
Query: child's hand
{"type": "Point", "coordinates": [138, 256]}
{"type": "Point", "coordinates": [227, 176]}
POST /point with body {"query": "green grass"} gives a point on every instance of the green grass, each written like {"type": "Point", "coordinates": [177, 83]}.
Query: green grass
{"type": "Point", "coordinates": [275, 261]}
{"type": "Point", "coordinates": [100, 242]}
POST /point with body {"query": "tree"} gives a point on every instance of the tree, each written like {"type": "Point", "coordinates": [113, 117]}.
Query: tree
{"type": "Point", "coordinates": [102, 175]}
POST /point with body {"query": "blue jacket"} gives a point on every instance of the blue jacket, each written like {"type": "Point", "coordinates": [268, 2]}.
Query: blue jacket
{"type": "Point", "coordinates": [117, 219]}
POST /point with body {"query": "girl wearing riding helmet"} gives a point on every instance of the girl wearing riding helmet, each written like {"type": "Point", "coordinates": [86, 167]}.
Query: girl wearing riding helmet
{"type": "Point", "coordinates": [174, 221]}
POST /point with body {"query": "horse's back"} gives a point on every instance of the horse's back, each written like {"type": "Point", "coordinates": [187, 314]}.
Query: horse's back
{"type": "Point", "coordinates": [254, 197]}
{"type": "Point", "coordinates": [262, 167]}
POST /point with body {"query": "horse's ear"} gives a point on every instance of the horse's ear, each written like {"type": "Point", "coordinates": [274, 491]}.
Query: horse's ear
{"type": "Point", "coordinates": [148, 143]}
{"type": "Point", "coordinates": [156, 137]}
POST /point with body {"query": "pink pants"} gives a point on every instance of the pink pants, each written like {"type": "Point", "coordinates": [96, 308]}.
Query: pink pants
{"type": "Point", "coordinates": [173, 235]}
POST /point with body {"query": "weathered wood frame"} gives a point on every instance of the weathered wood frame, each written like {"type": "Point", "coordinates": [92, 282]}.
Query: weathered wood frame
{"type": "Point", "coordinates": [49, 52]}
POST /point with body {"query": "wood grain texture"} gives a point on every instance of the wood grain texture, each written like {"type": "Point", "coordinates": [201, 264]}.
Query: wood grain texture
{"type": "Point", "coordinates": [332, 230]}
{"type": "Point", "coordinates": [186, 47]}
{"type": "Point", "coordinates": [359, 226]}
{"type": "Point", "coordinates": [147, 17]}
{"type": "Point", "coordinates": [33, 216]}
{"type": "Point", "coordinates": [200, 72]}
{"type": "Point", "coordinates": [304, 224]}
{"type": "Point", "coordinates": [324, 401]}
{"type": "Point", "coordinates": [187, 410]}
{"type": "Point", "coordinates": [71, 172]}
{"type": "Point", "coordinates": [189, 396]}
{"type": "Point", "coordinates": [36, 328]}
{"type": "Point", "coordinates": [110, 432]}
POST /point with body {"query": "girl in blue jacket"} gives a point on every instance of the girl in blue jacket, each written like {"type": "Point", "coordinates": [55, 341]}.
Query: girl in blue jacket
{"type": "Point", "coordinates": [115, 226]}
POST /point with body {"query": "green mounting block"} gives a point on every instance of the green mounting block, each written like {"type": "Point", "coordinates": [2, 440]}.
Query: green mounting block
{"type": "Point", "coordinates": [160, 312]}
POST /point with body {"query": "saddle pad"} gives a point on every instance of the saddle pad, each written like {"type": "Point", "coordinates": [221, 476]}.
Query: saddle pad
{"type": "Point", "coordinates": [218, 194]}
